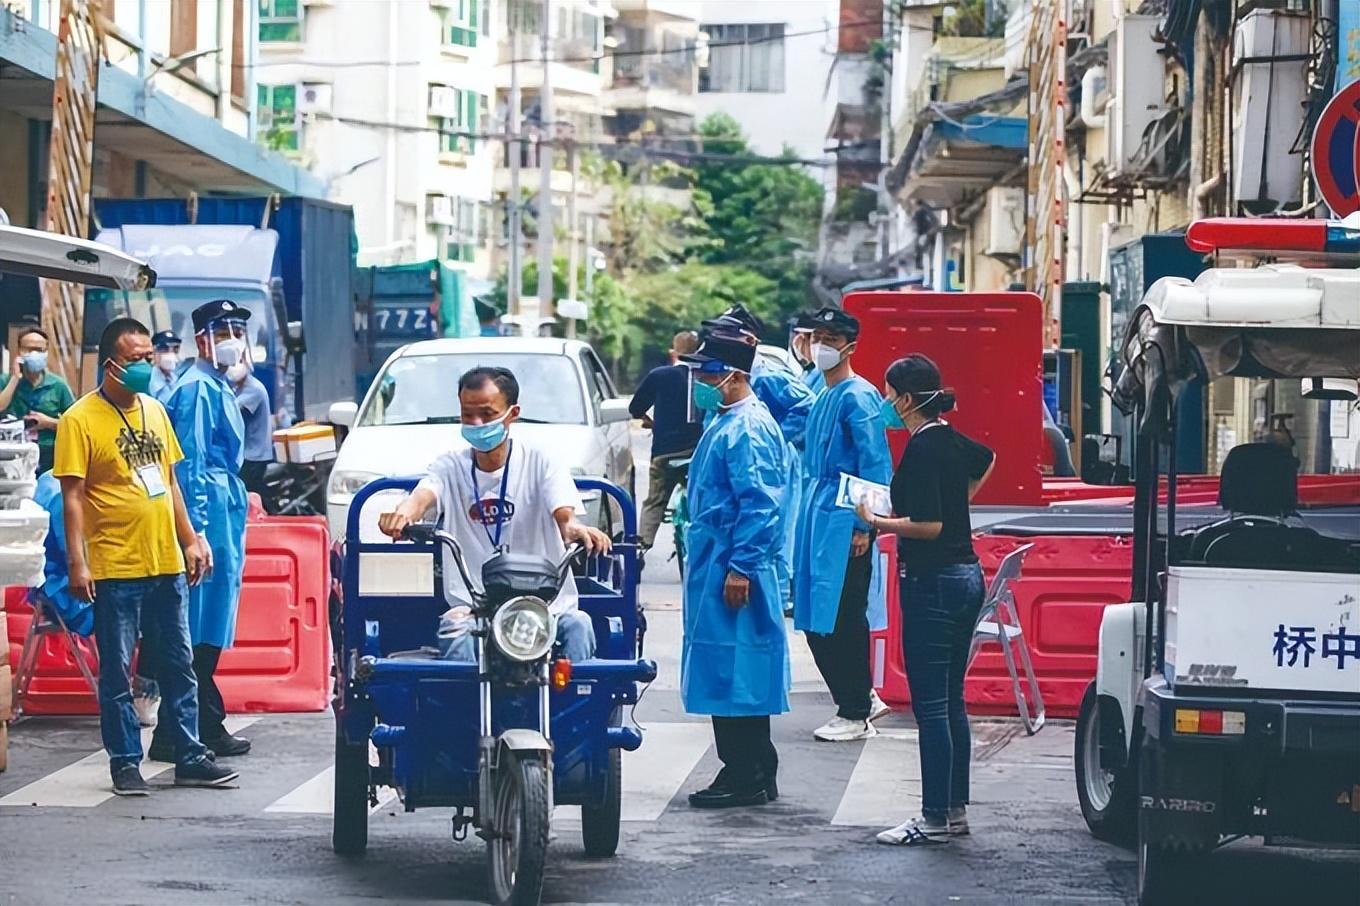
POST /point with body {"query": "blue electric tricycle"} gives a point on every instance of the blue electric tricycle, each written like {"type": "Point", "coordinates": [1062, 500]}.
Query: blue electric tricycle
{"type": "Point", "coordinates": [500, 741]}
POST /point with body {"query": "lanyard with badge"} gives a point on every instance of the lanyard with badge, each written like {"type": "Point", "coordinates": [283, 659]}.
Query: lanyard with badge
{"type": "Point", "coordinates": [149, 474]}
{"type": "Point", "coordinates": [500, 500]}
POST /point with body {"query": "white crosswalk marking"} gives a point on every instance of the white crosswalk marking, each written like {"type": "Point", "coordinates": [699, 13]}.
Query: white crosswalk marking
{"type": "Point", "coordinates": [655, 772]}
{"type": "Point", "coordinates": [86, 784]}
{"type": "Point", "coordinates": [885, 787]}
{"type": "Point", "coordinates": [317, 796]}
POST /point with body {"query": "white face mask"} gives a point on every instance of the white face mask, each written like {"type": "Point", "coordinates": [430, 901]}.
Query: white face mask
{"type": "Point", "coordinates": [168, 362]}
{"type": "Point", "coordinates": [237, 373]}
{"type": "Point", "coordinates": [826, 357]}
{"type": "Point", "coordinates": [229, 352]}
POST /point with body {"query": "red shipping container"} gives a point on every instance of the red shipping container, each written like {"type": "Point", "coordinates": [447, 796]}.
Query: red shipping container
{"type": "Point", "coordinates": [1066, 583]}
{"type": "Point", "coordinates": [281, 661]}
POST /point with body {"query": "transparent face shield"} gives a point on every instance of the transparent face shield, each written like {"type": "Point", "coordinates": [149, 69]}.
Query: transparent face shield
{"type": "Point", "coordinates": [227, 344]}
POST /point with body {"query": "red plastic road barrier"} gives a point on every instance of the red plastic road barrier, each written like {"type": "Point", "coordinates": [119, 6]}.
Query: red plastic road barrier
{"type": "Point", "coordinates": [281, 661]}
{"type": "Point", "coordinates": [1192, 490]}
{"type": "Point", "coordinates": [988, 347]}
{"type": "Point", "coordinates": [1066, 583]}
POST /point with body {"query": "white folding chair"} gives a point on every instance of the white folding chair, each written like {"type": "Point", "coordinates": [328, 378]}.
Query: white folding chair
{"type": "Point", "coordinates": [46, 621]}
{"type": "Point", "coordinates": [999, 622]}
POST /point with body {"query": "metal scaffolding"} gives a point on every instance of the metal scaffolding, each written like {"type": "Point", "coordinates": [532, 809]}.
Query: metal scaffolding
{"type": "Point", "coordinates": [1046, 220]}
{"type": "Point", "coordinates": [70, 170]}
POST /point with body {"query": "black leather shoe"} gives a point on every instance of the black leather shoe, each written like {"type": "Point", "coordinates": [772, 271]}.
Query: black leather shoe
{"type": "Point", "coordinates": [771, 789]}
{"type": "Point", "coordinates": [728, 798]}
{"type": "Point", "coordinates": [228, 746]}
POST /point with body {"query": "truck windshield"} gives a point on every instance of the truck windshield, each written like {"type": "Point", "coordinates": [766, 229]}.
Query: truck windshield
{"type": "Point", "coordinates": [423, 389]}
{"type": "Point", "coordinates": [171, 308]}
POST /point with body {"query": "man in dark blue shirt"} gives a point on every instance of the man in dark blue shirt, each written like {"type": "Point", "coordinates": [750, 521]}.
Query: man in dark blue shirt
{"type": "Point", "coordinates": [665, 391]}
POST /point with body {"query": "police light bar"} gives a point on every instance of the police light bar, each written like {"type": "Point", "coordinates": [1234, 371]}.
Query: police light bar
{"type": "Point", "coordinates": [1264, 234]}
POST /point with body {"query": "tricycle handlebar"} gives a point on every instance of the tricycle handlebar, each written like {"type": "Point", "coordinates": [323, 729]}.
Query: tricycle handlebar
{"type": "Point", "coordinates": [425, 533]}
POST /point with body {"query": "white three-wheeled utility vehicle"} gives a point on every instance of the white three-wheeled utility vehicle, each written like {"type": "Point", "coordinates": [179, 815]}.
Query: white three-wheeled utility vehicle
{"type": "Point", "coordinates": [1227, 695]}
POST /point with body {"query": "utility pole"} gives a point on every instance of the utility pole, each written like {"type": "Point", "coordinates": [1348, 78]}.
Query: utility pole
{"type": "Point", "coordinates": [573, 237]}
{"type": "Point", "coordinates": [514, 147]}
{"type": "Point", "coordinates": [546, 146]}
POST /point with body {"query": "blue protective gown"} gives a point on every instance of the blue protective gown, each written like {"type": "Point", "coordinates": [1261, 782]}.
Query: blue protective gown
{"type": "Point", "coordinates": [78, 614]}
{"type": "Point", "coordinates": [161, 386]}
{"type": "Point", "coordinates": [844, 434]}
{"type": "Point", "coordinates": [735, 662]}
{"type": "Point", "coordinates": [815, 380]}
{"type": "Point", "coordinates": [208, 423]}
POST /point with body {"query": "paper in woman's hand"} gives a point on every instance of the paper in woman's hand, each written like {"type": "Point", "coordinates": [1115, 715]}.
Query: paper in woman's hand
{"type": "Point", "coordinates": [854, 491]}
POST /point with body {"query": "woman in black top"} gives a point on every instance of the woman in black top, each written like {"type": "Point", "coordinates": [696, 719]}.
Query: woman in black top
{"type": "Point", "coordinates": [941, 586]}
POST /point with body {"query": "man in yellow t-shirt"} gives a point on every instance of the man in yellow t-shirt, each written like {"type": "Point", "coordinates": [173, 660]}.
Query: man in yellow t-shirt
{"type": "Point", "coordinates": [128, 546]}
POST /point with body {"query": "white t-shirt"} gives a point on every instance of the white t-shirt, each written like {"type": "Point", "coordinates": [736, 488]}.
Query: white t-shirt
{"type": "Point", "coordinates": [535, 488]}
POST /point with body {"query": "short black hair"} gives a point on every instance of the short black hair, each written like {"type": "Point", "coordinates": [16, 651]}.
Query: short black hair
{"type": "Point", "coordinates": [917, 375]}
{"type": "Point", "coordinates": [28, 327]}
{"type": "Point", "coordinates": [115, 331]}
{"type": "Point", "coordinates": [503, 378]}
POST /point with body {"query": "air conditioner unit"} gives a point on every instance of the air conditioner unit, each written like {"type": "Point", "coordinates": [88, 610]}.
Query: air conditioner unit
{"type": "Point", "coordinates": [1269, 100]}
{"type": "Point", "coordinates": [444, 102]}
{"type": "Point", "coordinates": [315, 97]}
{"type": "Point", "coordinates": [439, 210]}
{"type": "Point", "coordinates": [1005, 210]}
{"type": "Point", "coordinates": [1136, 90]}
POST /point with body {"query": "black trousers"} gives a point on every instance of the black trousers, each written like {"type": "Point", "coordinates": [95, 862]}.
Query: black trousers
{"type": "Point", "coordinates": [252, 473]}
{"type": "Point", "coordinates": [212, 711]}
{"type": "Point", "coordinates": [843, 656]}
{"type": "Point", "coordinates": [744, 747]}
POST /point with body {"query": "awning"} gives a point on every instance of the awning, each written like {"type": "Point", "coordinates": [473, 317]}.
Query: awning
{"type": "Point", "coordinates": [958, 159]}
{"type": "Point", "coordinates": [145, 125]}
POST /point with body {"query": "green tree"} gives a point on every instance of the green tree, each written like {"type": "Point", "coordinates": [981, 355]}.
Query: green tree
{"type": "Point", "coordinates": [765, 216]}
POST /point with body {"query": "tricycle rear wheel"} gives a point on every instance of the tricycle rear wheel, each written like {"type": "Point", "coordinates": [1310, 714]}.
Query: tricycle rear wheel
{"type": "Point", "coordinates": [518, 851]}
{"type": "Point", "coordinates": [600, 824]}
{"type": "Point", "coordinates": [349, 829]}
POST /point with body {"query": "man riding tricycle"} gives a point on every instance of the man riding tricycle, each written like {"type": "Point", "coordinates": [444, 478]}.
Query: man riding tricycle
{"type": "Point", "coordinates": [476, 672]}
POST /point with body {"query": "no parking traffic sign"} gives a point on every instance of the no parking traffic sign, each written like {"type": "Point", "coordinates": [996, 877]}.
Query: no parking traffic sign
{"type": "Point", "coordinates": [1336, 151]}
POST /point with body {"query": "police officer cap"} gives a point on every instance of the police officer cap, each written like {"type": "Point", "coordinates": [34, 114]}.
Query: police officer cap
{"type": "Point", "coordinates": [743, 316]}
{"type": "Point", "coordinates": [218, 310]}
{"type": "Point", "coordinates": [721, 353]}
{"type": "Point", "coordinates": [836, 321]}
{"type": "Point", "coordinates": [164, 339]}
{"type": "Point", "coordinates": [723, 324]}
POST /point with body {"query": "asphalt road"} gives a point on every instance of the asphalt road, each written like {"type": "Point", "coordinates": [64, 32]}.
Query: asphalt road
{"type": "Point", "coordinates": [65, 840]}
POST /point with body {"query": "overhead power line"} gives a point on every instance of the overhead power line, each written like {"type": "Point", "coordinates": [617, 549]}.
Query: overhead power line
{"type": "Point", "coordinates": [656, 52]}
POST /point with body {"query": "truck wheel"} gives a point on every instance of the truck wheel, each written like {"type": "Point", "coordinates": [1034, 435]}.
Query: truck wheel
{"type": "Point", "coordinates": [1165, 876]}
{"type": "Point", "coordinates": [1107, 798]}
{"type": "Point", "coordinates": [517, 854]}
{"type": "Point", "coordinates": [349, 829]}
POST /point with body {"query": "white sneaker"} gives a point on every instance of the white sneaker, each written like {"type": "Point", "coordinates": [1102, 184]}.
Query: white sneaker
{"type": "Point", "coordinates": [915, 831]}
{"type": "Point", "coordinates": [877, 707]}
{"type": "Point", "coordinates": [842, 729]}
{"type": "Point", "coordinates": [146, 700]}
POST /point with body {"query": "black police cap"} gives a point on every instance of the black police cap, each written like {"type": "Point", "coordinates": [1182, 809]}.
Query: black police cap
{"type": "Point", "coordinates": [218, 310]}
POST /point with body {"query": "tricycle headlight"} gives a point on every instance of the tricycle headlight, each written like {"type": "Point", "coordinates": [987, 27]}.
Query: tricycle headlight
{"type": "Point", "coordinates": [523, 629]}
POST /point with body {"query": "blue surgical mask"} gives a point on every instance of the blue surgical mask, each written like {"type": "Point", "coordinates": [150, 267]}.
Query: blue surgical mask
{"type": "Point", "coordinates": [34, 362]}
{"type": "Point", "coordinates": [488, 436]}
{"type": "Point", "coordinates": [892, 420]}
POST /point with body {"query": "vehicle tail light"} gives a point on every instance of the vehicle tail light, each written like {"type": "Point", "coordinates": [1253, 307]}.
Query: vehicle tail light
{"type": "Point", "coordinates": [561, 673]}
{"type": "Point", "coordinates": [1210, 723]}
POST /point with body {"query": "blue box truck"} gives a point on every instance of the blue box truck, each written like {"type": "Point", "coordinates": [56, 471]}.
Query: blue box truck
{"type": "Point", "coordinates": [289, 260]}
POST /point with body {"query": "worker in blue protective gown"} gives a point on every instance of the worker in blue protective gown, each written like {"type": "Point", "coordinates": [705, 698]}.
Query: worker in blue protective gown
{"type": "Point", "coordinates": [165, 346]}
{"type": "Point", "coordinates": [800, 344]}
{"type": "Point", "coordinates": [207, 420]}
{"type": "Point", "coordinates": [833, 558]}
{"type": "Point", "coordinates": [734, 659]}
{"type": "Point", "coordinates": [790, 402]}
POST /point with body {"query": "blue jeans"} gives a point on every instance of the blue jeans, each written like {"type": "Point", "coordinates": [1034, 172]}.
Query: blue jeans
{"type": "Point", "coordinates": [575, 635]}
{"type": "Point", "coordinates": [939, 609]}
{"type": "Point", "coordinates": [160, 604]}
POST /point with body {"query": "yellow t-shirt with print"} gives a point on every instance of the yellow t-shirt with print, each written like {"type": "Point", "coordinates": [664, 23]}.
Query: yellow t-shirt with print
{"type": "Point", "coordinates": [129, 534]}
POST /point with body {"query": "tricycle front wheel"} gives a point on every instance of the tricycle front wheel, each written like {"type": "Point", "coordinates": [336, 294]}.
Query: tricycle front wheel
{"type": "Point", "coordinates": [518, 850]}
{"type": "Point", "coordinates": [600, 824]}
{"type": "Point", "coordinates": [349, 830]}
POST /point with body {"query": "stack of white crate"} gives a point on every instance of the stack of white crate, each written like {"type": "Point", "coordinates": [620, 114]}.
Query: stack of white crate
{"type": "Point", "coordinates": [23, 524]}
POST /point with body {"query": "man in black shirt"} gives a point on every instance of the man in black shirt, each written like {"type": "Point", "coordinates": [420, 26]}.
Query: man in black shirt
{"type": "Point", "coordinates": [665, 391]}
